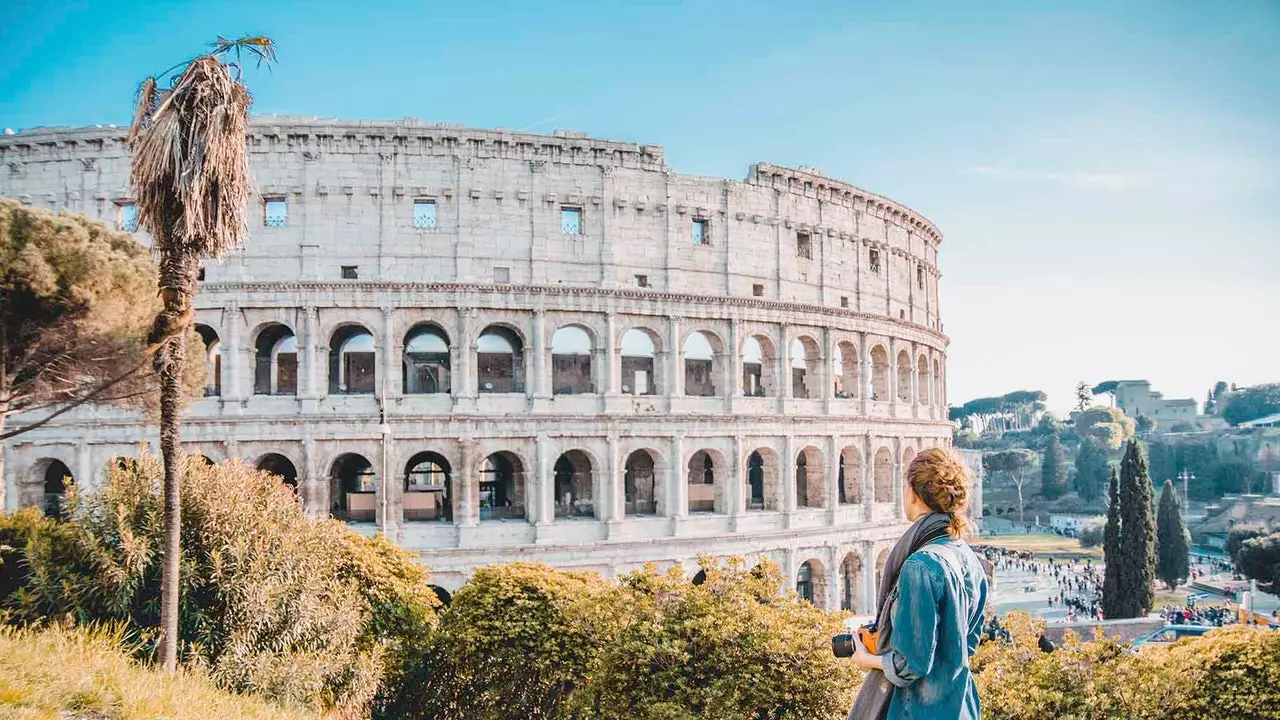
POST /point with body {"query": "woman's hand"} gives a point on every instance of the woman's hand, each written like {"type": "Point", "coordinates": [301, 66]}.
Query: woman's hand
{"type": "Point", "coordinates": [863, 658]}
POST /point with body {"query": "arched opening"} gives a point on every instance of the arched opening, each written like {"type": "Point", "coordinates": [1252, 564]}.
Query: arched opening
{"type": "Point", "coordinates": [428, 488]}
{"type": "Point", "coordinates": [846, 370]}
{"type": "Point", "coordinates": [883, 471]}
{"type": "Point", "coordinates": [56, 477]}
{"type": "Point", "coordinates": [700, 365]}
{"type": "Point", "coordinates": [850, 476]}
{"type": "Point", "coordinates": [879, 374]}
{"type": "Point", "coordinates": [499, 361]}
{"type": "Point", "coordinates": [922, 380]}
{"type": "Point", "coordinates": [908, 455]}
{"type": "Point", "coordinates": [758, 367]}
{"type": "Point", "coordinates": [203, 459]}
{"type": "Point", "coordinates": [352, 485]}
{"type": "Point", "coordinates": [639, 484]}
{"type": "Point", "coordinates": [280, 466]}
{"type": "Point", "coordinates": [502, 487]}
{"type": "Point", "coordinates": [573, 485]}
{"type": "Point", "coordinates": [811, 583]}
{"type": "Point", "coordinates": [352, 362]}
{"type": "Point", "coordinates": [850, 569]}
{"type": "Point", "coordinates": [764, 483]}
{"type": "Point", "coordinates": [881, 558]}
{"type": "Point", "coordinates": [639, 364]}
{"type": "Point", "coordinates": [442, 595]}
{"type": "Point", "coordinates": [275, 369]}
{"type": "Point", "coordinates": [699, 578]}
{"type": "Point", "coordinates": [571, 349]}
{"type": "Point", "coordinates": [904, 376]}
{"type": "Point", "coordinates": [426, 361]}
{"type": "Point", "coordinates": [810, 471]}
{"type": "Point", "coordinates": [701, 482]}
{"type": "Point", "coordinates": [213, 360]}
{"type": "Point", "coordinates": [939, 398]}
{"type": "Point", "coordinates": [805, 361]}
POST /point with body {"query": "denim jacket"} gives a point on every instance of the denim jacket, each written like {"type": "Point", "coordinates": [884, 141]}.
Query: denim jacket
{"type": "Point", "coordinates": [937, 621]}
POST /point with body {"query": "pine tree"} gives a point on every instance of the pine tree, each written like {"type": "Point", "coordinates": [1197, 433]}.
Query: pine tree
{"type": "Point", "coordinates": [1053, 474]}
{"type": "Point", "coordinates": [1111, 551]}
{"type": "Point", "coordinates": [1173, 554]}
{"type": "Point", "coordinates": [1137, 535]}
{"type": "Point", "coordinates": [1091, 468]}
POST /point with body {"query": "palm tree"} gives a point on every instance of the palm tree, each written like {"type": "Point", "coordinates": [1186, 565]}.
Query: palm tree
{"type": "Point", "coordinates": [191, 175]}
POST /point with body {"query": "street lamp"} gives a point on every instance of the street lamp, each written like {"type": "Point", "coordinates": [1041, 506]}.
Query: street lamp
{"type": "Point", "coordinates": [1184, 476]}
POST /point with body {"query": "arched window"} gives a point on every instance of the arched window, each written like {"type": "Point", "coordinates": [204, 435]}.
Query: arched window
{"type": "Point", "coordinates": [56, 477]}
{"type": "Point", "coordinates": [758, 367]}
{"type": "Point", "coordinates": [352, 485]}
{"type": "Point", "coordinates": [922, 380]}
{"type": "Point", "coordinates": [426, 361]}
{"type": "Point", "coordinates": [499, 361]}
{"type": "Point", "coordinates": [638, 363]}
{"type": "Point", "coordinates": [428, 488]}
{"type": "Point", "coordinates": [699, 365]}
{"type": "Point", "coordinates": [850, 476]}
{"type": "Point", "coordinates": [846, 371]}
{"type": "Point", "coordinates": [275, 369]}
{"type": "Point", "coordinates": [213, 360]}
{"type": "Point", "coordinates": [764, 482]}
{"type": "Point", "coordinates": [850, 568]}
{"type": "Point", "coordinates": [701, 479]}
{"type": "Point", "coordinates": [804, 367]}
{"type": "Point", "coordinates": [939, 397]}
{"type": "Point", "coordinates": [281, 466]}
{"type": "Point", "coordinates": [879, 374]}
{"type": "Point", "coordinates": [502, 490]}
{"type": "Point", "coordinates": [811, 583]}
{"type": "Point", "coordinates": [352, 362]}
{"type": "Point", "coordinates": [810, 470]}
{"type": "Point", "coordinates": [639, 484]}
{"type": "Point", "coordinates": [904, 376]}
{"type": "Point", "coordinates": [883, 476]}
{"type": "Point", "coordinates": [573, 486]}
{"type": "Point", "coordinates": [571, 349]}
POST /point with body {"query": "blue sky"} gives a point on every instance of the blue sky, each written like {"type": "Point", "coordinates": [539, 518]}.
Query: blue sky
{"type": "Point", "coordinates": [1107, 174]}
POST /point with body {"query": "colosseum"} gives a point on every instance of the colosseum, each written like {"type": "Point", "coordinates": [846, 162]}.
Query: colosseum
{"type": "Point", "coordinates": [496, 346]}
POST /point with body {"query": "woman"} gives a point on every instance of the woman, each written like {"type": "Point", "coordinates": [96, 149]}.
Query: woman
{"type": "Point", "coordinates": [932, 599]}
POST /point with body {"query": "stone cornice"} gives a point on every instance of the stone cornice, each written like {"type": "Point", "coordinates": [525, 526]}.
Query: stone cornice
{"type": "Point", "coordinates": [240, 288]}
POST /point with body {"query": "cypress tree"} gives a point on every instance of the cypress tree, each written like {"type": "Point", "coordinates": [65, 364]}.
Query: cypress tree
{"type": "Point", "coordinates": [1173, 561]}
{"type": "Point", "coordinates": [1053, 472]}
{"type": "Point", "coordinates": [1137, 535]}
{"type": "Point", "coordinates": [1111, 552]}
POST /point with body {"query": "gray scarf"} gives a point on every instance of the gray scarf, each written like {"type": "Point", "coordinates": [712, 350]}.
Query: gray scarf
{"type": "Point", "coordinates": [873, 699]}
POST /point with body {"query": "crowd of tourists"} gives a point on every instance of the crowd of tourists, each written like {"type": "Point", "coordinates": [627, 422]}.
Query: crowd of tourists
{"type": "Point", "coordinates": [1215, 616]}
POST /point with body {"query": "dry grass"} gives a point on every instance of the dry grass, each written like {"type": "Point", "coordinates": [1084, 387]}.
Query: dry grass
{"type": "Point", "coordinates": [1046, 546]}
{"type": "Point", "coordinates": [62, 673]}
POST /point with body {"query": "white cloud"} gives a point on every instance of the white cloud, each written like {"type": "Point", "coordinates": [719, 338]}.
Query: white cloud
{"type": "Point", "coordinates": [1089, 180]}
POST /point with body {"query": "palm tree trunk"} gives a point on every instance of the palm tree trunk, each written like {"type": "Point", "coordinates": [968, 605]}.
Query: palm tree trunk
{"type": "Point", "coordinates": [177, 282]}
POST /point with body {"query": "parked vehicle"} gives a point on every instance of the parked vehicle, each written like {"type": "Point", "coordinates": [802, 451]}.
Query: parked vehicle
{"type": "Point", "coordinates": [1170, 633]}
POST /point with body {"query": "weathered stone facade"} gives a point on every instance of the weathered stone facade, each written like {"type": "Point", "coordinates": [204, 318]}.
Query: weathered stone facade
{"type": "Point", "coordinates": [758, 360]}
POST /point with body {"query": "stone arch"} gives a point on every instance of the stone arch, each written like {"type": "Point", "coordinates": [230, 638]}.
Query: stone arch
{"type": "Point", "coordinates": [280, 466]}
{"type": "Point", "coordinates": [444, 596]}
{"type": "Point", "coordinates": [426, 360]}
{"type": "Point", "coordinates": [572, 349]}
{"type": "Point", "coordinates": [639, 347]}
{"type": "Point", "coordinates": [574, 478]}
{"type": "Point", "coordinates": [502, 486]}
{"type": "Point", "coordinates": [850, 571]}
{"type": "Point", "coordinates": [922, 380]}
{"type": "Point", "coordinates": [850, 488]}
{"type": "Point", "coordinates": [213, 359]}
{"type": "Point", "coordinates": [699, 578]}
{"type": "Point", "coordinates": [805, 364]}
{"type": "Point", "coordinates": [904, 376]}
{"type": "Point", "coordinates": [52, 476]}
{"type": "Point", "coordinates": [275, 366]}
{"type": "Point", "coordinates": [704, 477]}
{"type": "Point", "coordinates": [353, 488]}
{"type": "Point", "coordinates": [811, 582]}
{"type": "Point", "coordinates": [763, 489]}
{"type": "Point", "coordinates": [881, 557]}
{"type": "Point", "coordinates": [701, 351]}
{"type": "Point", "coordinates": [879, 374]}
{"type": "Point", "coordinates": [883, 474]}
{"type": "Point", "coordinates": [939, 397]}
{"type": "Point", "coordinates": [353, 361]}
{"type": "Point", "coordinates": [640, 483]}
{"type": "Point", "coordinates": [499, 360]}
{"type": "Point", "coordinates": [759, 366]}
{"type": "Point", "coordinates": [810, 478]}
{"type": "Point", "coordinates": [846, 369]}
{"type": "Point", "coordinates": [428, 487]}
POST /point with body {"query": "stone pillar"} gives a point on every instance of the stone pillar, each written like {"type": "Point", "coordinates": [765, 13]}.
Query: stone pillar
{"type": "Point", "coordinates": [544, 484]}
{"type": "Point", "coordinates": [84, 466]}
{"type": "Point", "coordinates": [463, 380]}
{"type": "Point", "coordinates": [675, 382]}
{"type": "Point", "coordinates": [537, 385]}
{"type": "Point", "coordinates": [785, 387]}
{"type": "Point", "coordinates": [826, 375]}
{"type": "Point", "coordinates": [733, 377]}
{"type": "Point", "coordinates": [869, 579]}
{"type": "Point", "coordinates": [865, 366]}
{"type": "Point", "coordinates": [866, 487]}
{"type": "Point", "coordinates": [614, 482]}
{"type": "Point", "coordinates": [232, 326]}
{"type": "Point", "coordinates": [833, 579]}
{"type": "Point", "coordinates": [465, 511]}
{"type": "Point", "coordinates": [677, 501]}
{"type": "Point", "coordinates": [915, 384]}
{"type": "Point", "coordinates": [392, 349]}
{"type": "Point", "coordinates": [833, 479]}
{"type": "Point", "coordinates": [612, 370]}
{"type": "Point", "coordinates": [789, 569]}
{"type": "Point", "coordinates": [893, 379]}
{"type": "Point", "coordinates": [308, 346]}
{"type": "Point", "coordinates": [385, 499]}
{"type": "Point", "coordinates": [313, 485]}
{"type": "Point", "coordinates": [735, 488]}
{"type": "Point", "coordinates": [898, 477]}
{"type": "Point", "coordinates": [788, 475]}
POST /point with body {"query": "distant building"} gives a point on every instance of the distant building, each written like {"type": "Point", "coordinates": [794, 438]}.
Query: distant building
{"type": "Point", "coordinates": [1234, 510]}
{"type": "Point", "coordinates": [973, 462]}
{"type": "Point", "coordinates": [1136, 398]}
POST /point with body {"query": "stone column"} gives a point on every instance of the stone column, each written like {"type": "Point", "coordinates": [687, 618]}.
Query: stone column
{"type": "Point", "coordinates": [544, 485]}
{"type": "Point", "coordinates": [537, 385]}
{"type": "Point", "coordinates": [463, 380]}
{"type": "Point", "coordinates": [465, 511]}
{"type": "Point", "coordinates": [677, 500]}
{"type": "Point", "coordinates": [833, 479]}
{"type": "Point", "coordinates": [915, 384]}
{"type": "Point", "coordinates": [84, 466]}
{"type": "Point", "coordinates": [869, 579]}
{"type": "Point", "coordinates": [232, 326]}
{"type": "Point", "coordinates": [785, 387]}
{"type": "Point", "coordinates": [385, 491]}
{"type": "Point", "coordinates": [612, 370]}
{"type": "Point", "coordinates": [735, 488]}
{"type": "Point", "coordinates": [312, 485]}
{"type": "Point", "coordinates": [865, 487]}
{"type": "Point", "coordinates": [391, 359]}
{"type": "Point", "coordinates": [307, 344]}
{"type": "Point", "coordinates": [826, 376]}
{"type": "Point", "coordinates": [833, 579]}
{"type": "Point", "coordinates": [865, 366]}
{"type": "Point", "coordinates": [675, 382]}
{"type": "Point", "coordinates": [898, 477]}
{"type": "Point", "coordinates": [788, 475]}
{"type": "Point", "coordinates": [893, 379]}
{"type": "Point", "coordinates": [789, 570]}
{"type": "Point", "coordinates": [733, 376]}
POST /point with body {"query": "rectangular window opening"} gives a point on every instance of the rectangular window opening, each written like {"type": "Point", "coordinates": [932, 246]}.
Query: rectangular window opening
{"type": "Point", "coordinates": [844, 301]}
{"type": "Point", "coordinates": [128, 220]}
{"type": "Point", "coordinates": [424, 214]}
{"type": "Point", "coordinates": [200, 275]}
{"type": "Point", "coordinates": [642, 281]}
{"type": "Point", "coordinates": [920, 277]}
{"type": "Point", "coordinates": [275, 212]}
{"type": "Point", "coordinates": [350, 272]}
{"type": "Point", "coordinates": [875, 261]}
{"type": "Point", "coordinates": [502, 275]}
{"type": "Point", "coordinates": [804, 245]}
{"type": "Point", "coordinates": [757, 290]}
{"type": "Point", "coordinates": [701, 231]}
{"type": "Point", "coordinates": [571, 220]}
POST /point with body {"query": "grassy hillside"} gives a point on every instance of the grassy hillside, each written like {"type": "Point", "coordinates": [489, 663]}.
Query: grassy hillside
{"type": "Point", "coordinates": [57, 673]}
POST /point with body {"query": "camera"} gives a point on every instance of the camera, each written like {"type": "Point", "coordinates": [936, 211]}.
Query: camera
{"type": "Point", "coordinates": [842, 646]}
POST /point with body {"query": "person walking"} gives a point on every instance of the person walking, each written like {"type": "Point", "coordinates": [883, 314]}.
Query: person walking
{"type": "Point", "coordinates": [932, 601]}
